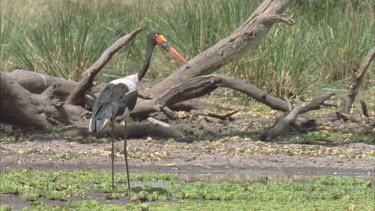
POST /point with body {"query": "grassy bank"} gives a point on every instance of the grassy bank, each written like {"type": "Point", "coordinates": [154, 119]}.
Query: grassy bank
{"type": "Point", "coordinates": [329, 193]}
{"type": "Point", "coordinates": [63, 38]}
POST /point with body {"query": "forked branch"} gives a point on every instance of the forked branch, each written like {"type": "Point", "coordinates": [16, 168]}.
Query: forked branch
{"type": "Point", "coordinates": [77, 96]}
{"type": "Point", "coordinates": [282, 124]}
{"type": "Point", "coordinates": [357, 80]}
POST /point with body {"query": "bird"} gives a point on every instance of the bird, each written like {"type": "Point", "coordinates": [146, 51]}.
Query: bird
{"type": "Point", "coordinates": [119, 97]}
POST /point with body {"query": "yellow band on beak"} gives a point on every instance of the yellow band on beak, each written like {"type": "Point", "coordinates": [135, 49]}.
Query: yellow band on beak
{"type": "Point", "coordinates": [163, 38]}
{"type": "Point", "coordinates": [160, 39]}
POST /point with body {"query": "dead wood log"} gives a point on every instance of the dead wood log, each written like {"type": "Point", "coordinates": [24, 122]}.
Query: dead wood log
{"type": "Point", "coordinates": [217, 116]}
{"type": "Point", "coordinates": [134, 131]}
{"type": "Point", "coordinates": [226, 50]}
{"type": "Point", "coordinates": [364, 108]}
{"type": "Point", "coordinates": [37, 83]}
{"type": "Point", "coordinates": [25, 110]}
{"type": "Point", "coordinates": [194, 104]}
{"type": "Point", "coordinates": [282, 124]}
{"type": "Point", "coordinates": [356, 119]}
{"type": "Point", "coordinates": [357, 80]}
{"type": "Point", "coordinates": [19, 107]}
{"type": "Point", "coordinates": [158, 122]}
{"type": "Point", "coordinates": [54, 87]}
{"type": "Point", "coordinates": [77, 95]}
{"type": "Point", "coordinates": [203, 85]}
{"type": "Point", "coordinates": [229, 48]}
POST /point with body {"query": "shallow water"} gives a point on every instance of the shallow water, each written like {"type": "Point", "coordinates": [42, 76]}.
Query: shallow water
{"type": "Point", "coordinates": [256, 177]}
{"type": "Point", "coordinates": [221, 174]}
{"type": "Point", "coordinates": [285, 175]}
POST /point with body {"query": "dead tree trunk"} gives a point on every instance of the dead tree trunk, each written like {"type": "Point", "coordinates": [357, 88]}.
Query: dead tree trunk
{"type": "Point", "coordinates": [19, 107]}
{"type": "Point", "coordinates": [203, 85]}
{"type": "Point", "coordinates": [231, 47]}
{"type": "Point", "coordinates": [134, 131]}
{"type": "Point", "coordinates": [282, 124]}
{"type": "Point", "coordinates": [37, 83]}
{"type": "Point", "coordinates": [25, 110]}
{"type": "Point", "coordinates": [357, 80]}
{"type": "Point", "coordinates": [166, 93]}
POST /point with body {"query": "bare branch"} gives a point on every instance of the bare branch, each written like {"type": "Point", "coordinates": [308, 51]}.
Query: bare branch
{"type": "Point", "coordinates": [282, 124]}
{"type": "Point", "coordinates": [231, 47]}
{"type": "Point", "coordinates": [158, 122]}
{"type": "Point", "coordinates": [203, 85]}
{"type": "Point", "coordinates": [77, 96]}
{"type": "Point", "coordinates": [217, 116]}
{"type": "Point", "coordinates": [364, 108]}
{"type": "Point", "coordinates": [139, 130]}
{"type": "Point", "coordinates": [316, 103]}
{"type": "Point", "coordinates": [357, 119]}
{"type": "Point", "coordinates": [357, 80]}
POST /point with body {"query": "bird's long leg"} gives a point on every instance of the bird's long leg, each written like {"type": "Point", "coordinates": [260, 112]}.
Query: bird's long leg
{"type": "Point", "coordinates": [126, 152]}
{"type": "Point", "coordinates": [113, 156]}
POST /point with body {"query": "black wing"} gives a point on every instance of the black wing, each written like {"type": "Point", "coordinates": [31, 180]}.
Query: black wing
{"type": "Point", "coordinates": [112, 102]}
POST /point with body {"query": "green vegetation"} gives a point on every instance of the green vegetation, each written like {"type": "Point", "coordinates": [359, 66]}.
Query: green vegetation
{"type": "Point", "coordinates": [69, 156]}
{"type": "Point", "coordinates": [64, 38]}
{"type": "Point", "coordinates": [166, 193]}
{"type": "Point", "coordinates": [58, 185]}
{"type": "Point", "coordinates": [223, 147]}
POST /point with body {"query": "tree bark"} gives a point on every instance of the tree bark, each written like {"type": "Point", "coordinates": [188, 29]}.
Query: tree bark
{"type": "Point", "coordinates": [357, 80]}
{"type": "Point", "coordinates": [168, 92]}
{"type": "Point", "coordinates": [134, 131]}
{"type": "Point", "coordinates": [282, 124]}
{"type": "Point", "coordinates": [25, 110]}
{"type": "Point", "coordinates": [203, 85]}
{"type": "Point", "coordinates": [231, 47]}
{"type": "Point", "coordinates": [19, 107]}
{"type": "Point", "coordinates": [39, 83]}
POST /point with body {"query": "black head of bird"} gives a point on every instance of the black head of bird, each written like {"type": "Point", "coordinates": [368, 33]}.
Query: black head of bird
{"type": "Point", "coordinates": [157, 38]}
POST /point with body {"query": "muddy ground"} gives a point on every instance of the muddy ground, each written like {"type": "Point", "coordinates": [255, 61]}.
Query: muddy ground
{"type": "Point", "coordinates": [216, 150]}
{"type": "Point", "coordinates": [213, 146]}
{"type": "Point", "coordinates": [160, 156]}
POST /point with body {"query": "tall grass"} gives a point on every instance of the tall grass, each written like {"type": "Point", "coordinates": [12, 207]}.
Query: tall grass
{"type": "Point", "coordinates": [66, 37]}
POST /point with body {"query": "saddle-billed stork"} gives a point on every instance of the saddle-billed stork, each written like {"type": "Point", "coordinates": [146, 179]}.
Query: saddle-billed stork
{"type": "Point", "coordinates": [119, 97]}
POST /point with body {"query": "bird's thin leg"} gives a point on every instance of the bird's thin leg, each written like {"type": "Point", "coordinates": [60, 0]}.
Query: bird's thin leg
{"type": "Point", "coordinates": [113, 156]}
{"type": "Point", "coordinates": [126, 152]}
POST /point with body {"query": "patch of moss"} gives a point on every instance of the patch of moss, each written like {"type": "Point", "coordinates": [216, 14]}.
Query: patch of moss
{"type": "Point", "coordinates": [69, 156]}
{"type": "Point", "coordinates": [5, 207]}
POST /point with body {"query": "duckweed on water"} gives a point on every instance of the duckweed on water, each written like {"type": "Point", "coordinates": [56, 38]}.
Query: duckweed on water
{"type": "Point", "coordinates": [329, 193]}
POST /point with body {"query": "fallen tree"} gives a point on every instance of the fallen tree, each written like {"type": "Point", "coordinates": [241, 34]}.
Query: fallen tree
{"type": "Point", "coordinates": [354, 85]}
{"type": "Point", "coordinates": [38, 101]}
{"type": "Point", "coordinates": [23, 109]}
{"type": "Point", "coordinates": [235, 45]}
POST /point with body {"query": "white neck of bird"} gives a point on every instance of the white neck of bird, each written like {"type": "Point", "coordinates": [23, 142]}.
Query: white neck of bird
{"type": "Point", "coordinates": [131, 81]}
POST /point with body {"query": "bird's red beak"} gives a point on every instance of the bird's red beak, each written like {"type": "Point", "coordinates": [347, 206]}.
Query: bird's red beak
{"type": "Point", "coordinates": [176, 55]}
{"type": "Point", "coordinates": [162, 42]}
